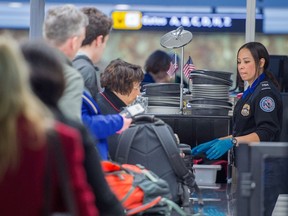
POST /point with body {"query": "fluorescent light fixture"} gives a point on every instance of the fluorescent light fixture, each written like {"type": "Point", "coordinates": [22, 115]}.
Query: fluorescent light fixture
{"type": "Point", "coordinates": [122, 7]}
{"type": "Point", "coordinates": [15, 4]}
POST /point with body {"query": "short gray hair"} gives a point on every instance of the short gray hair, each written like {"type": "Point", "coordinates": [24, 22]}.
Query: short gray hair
{"type": "Point", "coordinates": [62, 23]}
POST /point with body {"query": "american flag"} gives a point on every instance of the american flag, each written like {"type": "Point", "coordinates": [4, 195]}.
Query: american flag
{"type": "Point", "coordinates": [188, 67]}
{"type": "Point", "coordinates": [173, 66]}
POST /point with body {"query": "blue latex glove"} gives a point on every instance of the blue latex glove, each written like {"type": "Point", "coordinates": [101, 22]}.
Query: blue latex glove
{"type": "Point", "coordinates": [203, 147]}
{"type": "Point", "coordinates": [219, 148]}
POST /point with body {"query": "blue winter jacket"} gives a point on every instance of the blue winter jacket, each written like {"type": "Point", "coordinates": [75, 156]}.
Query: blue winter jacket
{"type": "Point", "coordinates": [100, 126]}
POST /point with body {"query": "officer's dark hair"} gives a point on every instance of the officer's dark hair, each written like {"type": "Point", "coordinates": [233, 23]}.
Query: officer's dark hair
{"type": "Point", "coordinates": [259, 51]}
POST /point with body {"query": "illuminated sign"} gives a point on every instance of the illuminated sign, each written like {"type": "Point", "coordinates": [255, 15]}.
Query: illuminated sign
{"type": "Point", "coordinates": [127, 20]}
{"type": "Point", "coordinates": [215, 22]}
{"type": "Point", "coordinates": [186, 21]}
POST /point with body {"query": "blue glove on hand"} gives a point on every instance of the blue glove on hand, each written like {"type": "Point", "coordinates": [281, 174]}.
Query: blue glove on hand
{"type": "Point", "coordinates": [203, 147]}
{"type": "Point", "coordinates": [219, 148]}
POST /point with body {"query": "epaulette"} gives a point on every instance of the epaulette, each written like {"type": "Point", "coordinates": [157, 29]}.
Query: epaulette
{"type": "Point", "coordinates": [265, 85]}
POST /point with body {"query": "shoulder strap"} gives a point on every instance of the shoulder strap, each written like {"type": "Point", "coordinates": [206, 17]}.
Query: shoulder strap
{"type": "Point", "coordinates": [124, 145]}
{"type": "Point", "coordinates": [174, 157]}
{"type": "Point", "coordinates": [98, 79]}
{"type": "Point", "coordinates": [55, 151]}
{"type": "Point", "coordinates": [90, 103]}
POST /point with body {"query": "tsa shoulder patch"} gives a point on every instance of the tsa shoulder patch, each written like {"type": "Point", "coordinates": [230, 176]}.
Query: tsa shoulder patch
{"type": "Point", "coordinates": [267, 104]}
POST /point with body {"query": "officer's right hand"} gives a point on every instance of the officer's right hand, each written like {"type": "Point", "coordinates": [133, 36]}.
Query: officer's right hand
{"type": "Point", "coordinates": [203, 147]}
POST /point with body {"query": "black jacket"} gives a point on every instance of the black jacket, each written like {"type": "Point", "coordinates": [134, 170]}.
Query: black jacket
{"type": "Point", "coordinates": [259, 112]}
{"type": "Point", "coordinates": [109, 103]}
{"type": "Point", "coordinates": [105, 200]}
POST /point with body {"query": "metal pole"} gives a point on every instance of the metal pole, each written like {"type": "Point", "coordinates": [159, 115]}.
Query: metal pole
{"type": "Point", "coordinates": [37, 11]}
{"type": "Point", "coordinates": [250, 20]}
{"type": "Point", "coordinates": [181, 83]}
{"type": "Point", "coordinates": [250, 25]}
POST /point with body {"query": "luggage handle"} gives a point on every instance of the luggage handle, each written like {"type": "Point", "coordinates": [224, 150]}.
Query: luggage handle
{"type": "Point", "coordinates": [146, 118]}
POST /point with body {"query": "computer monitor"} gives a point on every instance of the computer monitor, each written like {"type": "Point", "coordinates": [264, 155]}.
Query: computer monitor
{"type": "Point", "coordinates": [258, 165]}
{"type": "Point", "coordinates": [278, 66]}
{"type": "Point", "coordinates": [284, 132]}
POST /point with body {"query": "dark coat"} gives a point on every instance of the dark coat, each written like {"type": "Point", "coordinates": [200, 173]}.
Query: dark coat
{"type": "Point", "coordinates": [109, 103]}
{"type": "Point", "coordinates": [259, 110]}
{"type": "Point", "coordinates": [106, 201]}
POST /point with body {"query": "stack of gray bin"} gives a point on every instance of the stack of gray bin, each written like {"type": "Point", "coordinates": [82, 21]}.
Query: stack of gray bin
{"type": "Point", "coordinates": [210, 93]}
{"type": "Point", "coordinates": [163, 97]}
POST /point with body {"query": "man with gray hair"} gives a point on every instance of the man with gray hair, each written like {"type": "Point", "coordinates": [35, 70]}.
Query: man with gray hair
{"type": "Point", "coordinates": [64, 28]}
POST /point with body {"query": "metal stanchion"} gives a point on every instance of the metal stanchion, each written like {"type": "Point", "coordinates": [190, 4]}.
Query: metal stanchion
{"type": "Point", "coordinates": [176, 39]}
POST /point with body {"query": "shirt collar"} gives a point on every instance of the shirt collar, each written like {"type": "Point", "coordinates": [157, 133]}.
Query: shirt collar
{"type": "Point", "coordinates": [252, 88]}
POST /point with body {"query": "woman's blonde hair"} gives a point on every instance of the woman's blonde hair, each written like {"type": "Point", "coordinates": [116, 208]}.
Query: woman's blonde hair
{"type": "Point", "coordinates": [17, 100]}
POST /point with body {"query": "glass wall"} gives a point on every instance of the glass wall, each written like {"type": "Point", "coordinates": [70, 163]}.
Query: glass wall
{"type": "Point", "coordinates": [215, 51]}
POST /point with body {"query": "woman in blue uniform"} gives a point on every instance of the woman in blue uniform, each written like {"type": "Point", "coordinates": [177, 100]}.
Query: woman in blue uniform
{"type": "Point", "coordinates": [257, 116]}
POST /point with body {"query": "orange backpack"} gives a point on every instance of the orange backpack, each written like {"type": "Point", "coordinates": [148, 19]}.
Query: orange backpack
{"type": "Point", "coordinates": [139, 190]}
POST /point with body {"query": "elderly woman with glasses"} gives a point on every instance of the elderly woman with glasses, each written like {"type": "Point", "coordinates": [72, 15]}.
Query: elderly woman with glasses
{"type": "Point", "coordinates": [121, 82]}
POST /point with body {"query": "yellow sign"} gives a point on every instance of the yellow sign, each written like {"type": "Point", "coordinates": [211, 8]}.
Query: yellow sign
{"type": "Point", "coordinates": [130, 20]}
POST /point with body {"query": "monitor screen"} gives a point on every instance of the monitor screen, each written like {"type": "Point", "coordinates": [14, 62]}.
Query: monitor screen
{"type": "Point", "coordinates": [262, 179]}
{"type": "Point", "coordinates": [278, 66]}
{"type": "Point", "coordinates": [284, 132]}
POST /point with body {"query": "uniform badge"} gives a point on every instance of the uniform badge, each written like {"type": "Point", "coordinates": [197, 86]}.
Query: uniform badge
{"type": "Point", "coordinates": [245, 110]}
{"type": "Point", "coordinates": [267, 104]}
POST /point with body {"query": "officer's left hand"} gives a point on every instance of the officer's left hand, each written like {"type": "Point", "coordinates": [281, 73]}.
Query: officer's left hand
{"type": "Point", "coordinates": [219, 148]}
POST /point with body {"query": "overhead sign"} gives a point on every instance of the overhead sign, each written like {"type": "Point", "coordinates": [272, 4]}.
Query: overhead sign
{"type": "Point", "coordinates": [127, 20]}
{"type": "Point", "coordinates": [216, 22]}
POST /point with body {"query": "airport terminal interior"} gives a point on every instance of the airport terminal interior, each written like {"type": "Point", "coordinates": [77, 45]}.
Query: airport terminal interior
{"type": "Point", "coordinates": [234, 185]}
